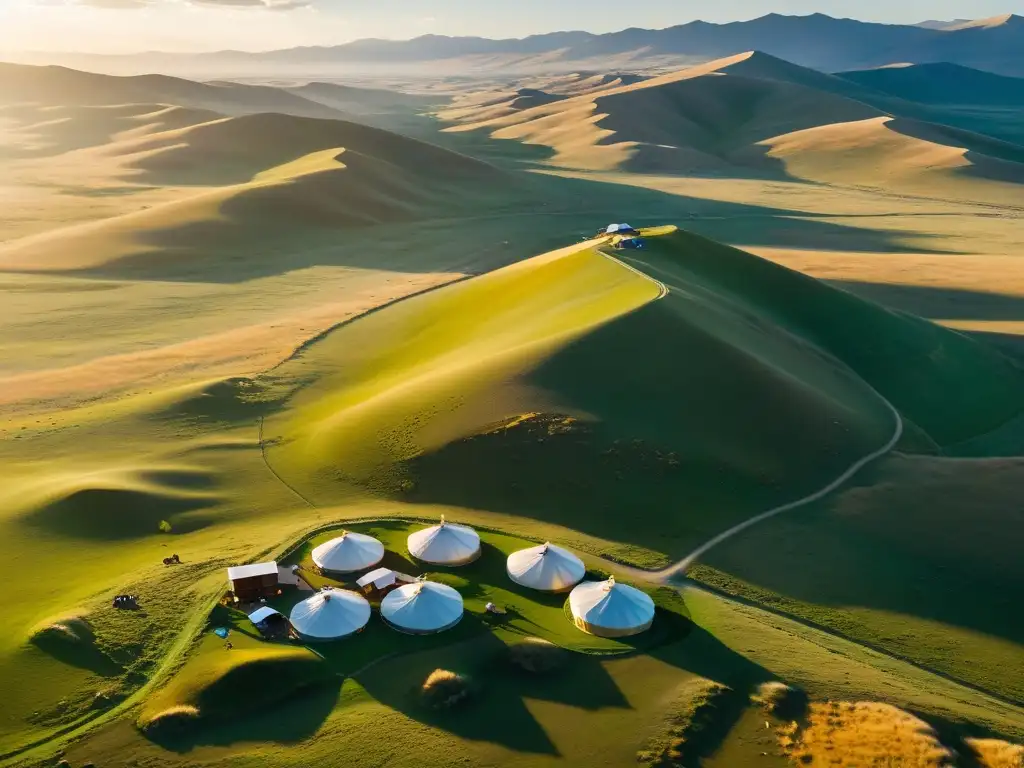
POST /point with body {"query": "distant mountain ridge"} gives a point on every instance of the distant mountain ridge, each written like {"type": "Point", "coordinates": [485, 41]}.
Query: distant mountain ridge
{"type": "Point", "coordinates": [817, 41]}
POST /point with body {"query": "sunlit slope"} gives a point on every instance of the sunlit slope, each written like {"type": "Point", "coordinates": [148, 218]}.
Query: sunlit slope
{"type": "Point", "coordinates": [754, 114]}
{"type": "Point", "coordinates": [563, 388]}
{"type": "Point", "coordinates": [260, 180]}
{"type": "Point", "coordinates": [907, 153]}
{"type": "Point", "coordinates": [33, 130]}
{"type": "Point", "coordinates": [60, 86]}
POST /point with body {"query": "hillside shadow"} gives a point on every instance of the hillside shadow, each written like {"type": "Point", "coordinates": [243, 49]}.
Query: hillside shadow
{"type": "Point", "coordinates": [496, 713]}
{"type": "Point", "coordinates": [292, 721]}
{"type": "Point", "coordinates": [938, 303]}
{"type": "Point", "coordinates": [491, 227]}
{"type": "Point", "coordinates": [111, 514]}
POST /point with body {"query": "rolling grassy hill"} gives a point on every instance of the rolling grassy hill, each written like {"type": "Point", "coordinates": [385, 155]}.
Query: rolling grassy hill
{"type": "Point", "coordinates": [498, 400]}
{"type": "Point", "coordinates": [255, 182]}
{"type": "Point", "coordinates": [481, 395]}
{"type": "Point", "coordinates": [756, 115]}
{"type": "Point", "coordinates": [63, 87]}
{"type": "Point", "coordinates": [942, 83]}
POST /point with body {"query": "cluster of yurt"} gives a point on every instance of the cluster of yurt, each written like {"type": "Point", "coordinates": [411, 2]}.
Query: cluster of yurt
{"type": "Point", "coordinates": [418, 607]}
{"type": "Point", "coordinates": [411, 606]}
{"type": "Point", "coordinates": [604, 608]}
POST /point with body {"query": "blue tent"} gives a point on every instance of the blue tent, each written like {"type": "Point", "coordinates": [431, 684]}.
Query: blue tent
{"type": "Point", "coordinates": [620, 229]}
{"type": "Point", "coordinates": [634, 243]}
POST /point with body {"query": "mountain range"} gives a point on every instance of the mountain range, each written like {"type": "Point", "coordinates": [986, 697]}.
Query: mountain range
{"type": "Point", "coordinates": [817, 41]}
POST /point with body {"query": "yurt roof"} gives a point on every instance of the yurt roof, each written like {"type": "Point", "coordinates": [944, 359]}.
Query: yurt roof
{"type": "Point", "coordinates": [330, 613]}
{"type": "Point", "coordinates": [611, 605]}
{"type": "Point", "coordinates": [546, 567]}
{"type": "Point", "coordinates": [422, 607]}
{"type": "Point", "coordinates": [444, 543]}
{"type": "Point", "coordinates": [348, 552]}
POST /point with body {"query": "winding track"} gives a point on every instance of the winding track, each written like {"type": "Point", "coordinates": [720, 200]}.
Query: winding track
{"type": "Point", "coordinates": [680, 567]}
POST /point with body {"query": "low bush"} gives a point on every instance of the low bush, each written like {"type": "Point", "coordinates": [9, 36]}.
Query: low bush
{"type": "Point", "coordinates": [444, 689]}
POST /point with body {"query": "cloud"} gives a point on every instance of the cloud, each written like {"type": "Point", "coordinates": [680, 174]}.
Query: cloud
{"type": "Point", "coordinates": [266, 5]}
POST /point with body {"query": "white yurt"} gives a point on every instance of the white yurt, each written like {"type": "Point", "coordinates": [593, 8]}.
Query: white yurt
{"type": "Point", "coordinates": [422, 608]}
{"type": "Point", "coordinates": [348, 553]}
{"type": "Point", "coordinates": [609, 609]}
{"type": "Point", "coordinates": [548, 568]}
{"type": "Point", "coordinates": [330, 614]}
{"type": "Point", "coordinates": [445, 544]}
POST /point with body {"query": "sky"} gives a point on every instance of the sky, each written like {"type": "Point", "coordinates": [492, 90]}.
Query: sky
{"type": "Point", "coordinates": [125, 26]}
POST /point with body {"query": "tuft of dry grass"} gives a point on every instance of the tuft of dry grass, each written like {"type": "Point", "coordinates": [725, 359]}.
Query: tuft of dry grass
{"type": "Point", "coordinates": [72, 630]}
{"type": "Point", "coordinates": [863, 733]}
{"type": "Point", "coordinates": [994, 753]}
{"type": "Point", "coordinates": [444, 689]}
{"type": "Point", "coordinates": [696, 729]}
{"type": "Point", "coordinates": [781, 700]}
{"type": "Point", "coordinates": [170, 721]}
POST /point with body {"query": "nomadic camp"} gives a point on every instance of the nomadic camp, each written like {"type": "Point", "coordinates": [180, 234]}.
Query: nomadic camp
{"type": "Point", "coordinates": [610, 609]}
{"type": "Point", "coordinates": [445, 544]}
{"type": "Point", "coordinates": [381, 580]}
{"type": "Point", "coordinates": [251, 582]}
{"type": "Point", "coordinates": [330, 614]}
{"type": "Point", "coordinates": [547, 568]}
{"type": "Point", "coordinates": [422, 608]}
{"type": "Point", "coordinates": [348, 553]}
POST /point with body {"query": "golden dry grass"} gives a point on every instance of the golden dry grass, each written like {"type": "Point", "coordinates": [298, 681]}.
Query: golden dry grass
{"type": "Point", "coordinates": [444, 689]}
{"type": "Point", "coordinates": [994, 753]}
{"type": "Point", "coordinates": [171, 719]}
{"type": "Point", "coordinates": [863, 733]}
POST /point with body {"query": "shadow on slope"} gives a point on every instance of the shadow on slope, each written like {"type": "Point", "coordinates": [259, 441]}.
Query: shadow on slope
{"type": "Point", "coordinates": [919, 556]}
{"type": "Point", "coordinates": [113, 508]}
{"type": "Point", "coordinates": [53, 85]}
{"type": "Point", "coordinates": [264, 695]}
{"type": "Point", "coordinates": [500, 393]}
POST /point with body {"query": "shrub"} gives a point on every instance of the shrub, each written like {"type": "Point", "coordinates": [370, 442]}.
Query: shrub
{"type": "Point", "coordinates": [444, 689]}
{"type": "Point", "coordinates": [71, 631]}
{"type": "Point", "coordinates": [781, 700]}
{"type": "Point", "coordinates": [536, 656]}
{"type": "Point", "coordinates": [165, 527]}
{"type": "Point", "coordinates": [171, 721]}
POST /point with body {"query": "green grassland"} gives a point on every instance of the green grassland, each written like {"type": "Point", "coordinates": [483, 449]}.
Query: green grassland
{"type": "Point", "coordinates": [410, 412]}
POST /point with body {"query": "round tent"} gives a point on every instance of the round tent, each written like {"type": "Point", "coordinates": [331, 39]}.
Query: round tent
{"type": "Point", "coordinates": [445, 544]}
{"type": "Point", "coordinates": [547, 567]}
{"type": "Point", "coordinates": [610, 609]}
{"type": "Point", "coordinates": [422, 608]}
{"type": "Point", "coordinates": [348, 553]}
{"type": "Point", "coordinates": [330, 615]}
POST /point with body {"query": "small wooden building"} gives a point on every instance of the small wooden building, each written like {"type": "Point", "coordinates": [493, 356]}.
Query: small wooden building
{"type": "Point", "coordinates": [251, 582]}
{"type": "Point", "coordinates": [379, 582]}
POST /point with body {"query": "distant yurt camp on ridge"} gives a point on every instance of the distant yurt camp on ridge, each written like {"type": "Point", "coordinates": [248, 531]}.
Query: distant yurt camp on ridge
{"type": "Point", "coordinates": [610, 609]}
{"type": "Point", "coordinates": [445, 544]}
{"type": "Point", "coordinates": [348, 553]}
{"type": "Point", "coordinates": [330, 615]}
{"type": "Point", "coordinates": [547, 568]}
{"type": "Point", "coordinates": [422, 608]}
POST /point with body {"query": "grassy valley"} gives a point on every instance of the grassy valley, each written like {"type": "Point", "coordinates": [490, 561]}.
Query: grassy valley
{"type": "Point", "coordinates": [238, 317]}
